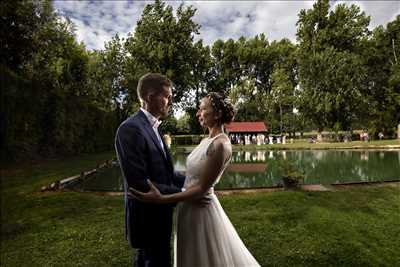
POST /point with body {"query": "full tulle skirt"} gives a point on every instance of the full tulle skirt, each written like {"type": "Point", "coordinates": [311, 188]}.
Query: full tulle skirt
{"type": "Point", "coordinates": [206, 237]}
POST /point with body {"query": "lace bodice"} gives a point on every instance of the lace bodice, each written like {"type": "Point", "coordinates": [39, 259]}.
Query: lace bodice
{"type": "Point", "coordinates": [196, 161]}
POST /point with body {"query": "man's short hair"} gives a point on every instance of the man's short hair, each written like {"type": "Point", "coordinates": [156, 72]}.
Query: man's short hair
{"type": "Point", "coordinates": [150, 83]}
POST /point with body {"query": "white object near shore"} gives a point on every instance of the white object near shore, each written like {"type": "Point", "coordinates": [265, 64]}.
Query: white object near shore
{"type": "Point", "coordinates": [398, 131]}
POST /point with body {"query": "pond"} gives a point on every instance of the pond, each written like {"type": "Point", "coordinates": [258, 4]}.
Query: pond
{"type": "Point", "coordinates": [256, 169]}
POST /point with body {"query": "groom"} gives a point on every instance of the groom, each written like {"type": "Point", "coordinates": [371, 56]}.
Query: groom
{"type": "Point", "coordinates": [143, 154]}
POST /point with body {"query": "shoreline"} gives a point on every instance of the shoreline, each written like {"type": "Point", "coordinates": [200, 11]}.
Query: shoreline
{"type": "Point", "coordinates": [235, 148]}
{"type": "Point", "coordinates": [302, 188]}
{"type": "Point", "coordinates": [356, 145]}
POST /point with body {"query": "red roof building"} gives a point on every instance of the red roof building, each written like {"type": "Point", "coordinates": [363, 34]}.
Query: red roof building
{"type": "Point", "coordinates": [246, 127]}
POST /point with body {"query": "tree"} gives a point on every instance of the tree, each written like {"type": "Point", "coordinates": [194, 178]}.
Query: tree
{"type": "Point", "coordinates": [108, 79]}
{"type": "Point", "coordinates": [382, 83]}
{"type": "Point", "coordinates": [247, 101]}
{"type": "Point", "coordinates": [163, 43]}
{"type": "Point", "coordinates": [257, 60]}
{"type": "Point", "coordinates": [169, 125]}
{"type": "Point", "coordinates": [267, 76]}
{"type": "Point", "coordinates": [282, 95]}
{"type": "Point", "coordinates": [227, 71]}
{"type": "Point", "coordinates": [202, 71]}
{"type": "Point", "coordinates": [331, 67]}
{"type": "Point", "coordinates": [183, 124]}
{"type": "Point", "coordinates": [20, 23]}
{"type": "Point", "coordinates": [50, 106]}
{"type": "Point", "coordinates": [283, 83]}
{"type": "Point", "coordinates": [245, 67]}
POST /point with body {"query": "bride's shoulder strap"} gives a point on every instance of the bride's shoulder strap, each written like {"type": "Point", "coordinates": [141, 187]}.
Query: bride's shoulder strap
{"type": "Point", "coordinates": [222, 141]}
{"type": "Point", "coordinates": [219, 136]}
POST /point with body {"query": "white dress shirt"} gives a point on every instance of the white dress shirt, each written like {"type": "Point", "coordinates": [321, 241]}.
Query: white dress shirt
{"type": "Point", "coordinates": [154, 122]}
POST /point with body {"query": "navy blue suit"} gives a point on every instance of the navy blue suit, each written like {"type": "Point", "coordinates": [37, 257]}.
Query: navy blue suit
{"type": "Point", "coordinates": [141, 157]}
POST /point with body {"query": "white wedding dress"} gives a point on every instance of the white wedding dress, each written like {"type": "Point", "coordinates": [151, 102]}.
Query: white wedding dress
{"type": "Point", "coordinates": [205, 237]}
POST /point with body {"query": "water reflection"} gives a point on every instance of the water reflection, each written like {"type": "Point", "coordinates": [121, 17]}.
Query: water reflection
{"type": "Point", "coordinates": [248, 156]}
{"type": "Point", "coordinates": [364, 155]}
{"type": "Point", "coordinates": [259, 168]}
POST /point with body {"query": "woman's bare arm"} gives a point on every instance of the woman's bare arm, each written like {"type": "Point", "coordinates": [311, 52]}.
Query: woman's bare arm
{"type": "Point", "coordinates": [217, 154]}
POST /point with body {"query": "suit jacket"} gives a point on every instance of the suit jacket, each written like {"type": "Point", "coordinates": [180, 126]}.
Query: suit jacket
{"type": "Point", "coordinates": [141, 157]}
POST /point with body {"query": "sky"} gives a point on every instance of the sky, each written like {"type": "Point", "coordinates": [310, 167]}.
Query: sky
{"type": "Point", "coordinates": [96, 22]}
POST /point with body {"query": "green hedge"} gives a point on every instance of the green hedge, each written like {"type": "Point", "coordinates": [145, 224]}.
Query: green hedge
{"type": "Point", "coordinates": [187, 140]}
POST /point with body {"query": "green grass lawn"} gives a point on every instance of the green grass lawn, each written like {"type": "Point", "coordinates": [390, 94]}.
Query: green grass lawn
{"type": "Point", "coordinates": [352, 227]}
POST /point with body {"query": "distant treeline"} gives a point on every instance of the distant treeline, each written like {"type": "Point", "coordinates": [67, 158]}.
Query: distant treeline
{"type": "Point", "coordinates": [59, 98]}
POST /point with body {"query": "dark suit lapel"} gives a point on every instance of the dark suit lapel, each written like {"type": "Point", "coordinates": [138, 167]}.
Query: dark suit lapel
{"type": "Point", "coordinates": [151, 132]}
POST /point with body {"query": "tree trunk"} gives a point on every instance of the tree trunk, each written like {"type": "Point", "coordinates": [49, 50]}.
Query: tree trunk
{"type": "Point", "coordinates": [280, 111]}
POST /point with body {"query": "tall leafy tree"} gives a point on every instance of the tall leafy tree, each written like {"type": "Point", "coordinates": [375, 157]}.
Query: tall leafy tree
{"type": "Point", "coordinates": [281, 100]}
{"type": "Point", "coordinates": [282, 96]}
{"type": "Point", "coordinates": [256, 60]}
{"type": "Point", "coordinates": [202, 71]}
{"type": "Point", "coordinates": [265, 90]}
{"type": "Point", "coordinates": [108, 79]}
{"type": "Point", "coordinates": [247, 101]}
{"type": "Point", "coordinates": [245, 67]}
{"type": "Point", "coordinates": [331, 67]}
{"type": "Point", "coordinates": [200, 83]}
{"type": "Point", "coordinates": [20, 23]}
{"type": "Point", "coordinates": [381, 55]}
{"type": "Point", "coordinates": [163, 42]}
{"type": "Point", "coordinates": [227, 71]}
{"type": "Point", "coordinates": [49, 106]}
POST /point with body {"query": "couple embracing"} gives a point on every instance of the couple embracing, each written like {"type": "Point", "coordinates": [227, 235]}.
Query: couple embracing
{"type": "Point", "coordinates": [204, 235]}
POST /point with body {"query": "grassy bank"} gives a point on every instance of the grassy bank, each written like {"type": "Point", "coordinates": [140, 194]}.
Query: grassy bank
{"type": "Point", "coordinates": [352, 227]}
{"type": "Point", "coordinates": [303, 144]}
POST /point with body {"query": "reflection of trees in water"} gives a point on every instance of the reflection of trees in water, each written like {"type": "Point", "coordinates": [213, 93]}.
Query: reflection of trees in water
{"type": "Point", "coordinates": [257, 155]}
{"type": "Point", "coordinates": [245, 177]}
{"type": "Point", "coordinates": [319, 166]}
{"type": "Point", "coordinates": [322, 167]}
{"type": "Point", "coordinates": [345, 166]}
{"type": "Point", "coordinates": [242, 180]}
{"type": "Point", "coordinates": [180, 161]}
{"type": "Point", "coordinates": [248, 156]}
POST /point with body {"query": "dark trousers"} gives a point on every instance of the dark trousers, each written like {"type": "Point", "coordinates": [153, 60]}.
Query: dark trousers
{"type": "Point", "coordinates": [159, 256]}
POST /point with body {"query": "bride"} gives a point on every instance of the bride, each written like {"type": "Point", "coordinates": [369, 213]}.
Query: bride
{"type": "Point", "coordinates": [205, 236]}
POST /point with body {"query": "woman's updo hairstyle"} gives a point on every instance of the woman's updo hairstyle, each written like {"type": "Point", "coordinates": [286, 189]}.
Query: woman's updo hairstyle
{"type": "Point", "coordinates": [220, 103]}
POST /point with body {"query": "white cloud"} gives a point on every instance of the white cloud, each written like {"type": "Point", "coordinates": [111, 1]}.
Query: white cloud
{"type": "Point", "coordinates": [277, 20]}
{"type": "Point", "coordinates": [98, 21]}
{"type": "Point", "coordinates": [92, 38]}
{"type": "Point", "coordinates": [381, 12]}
